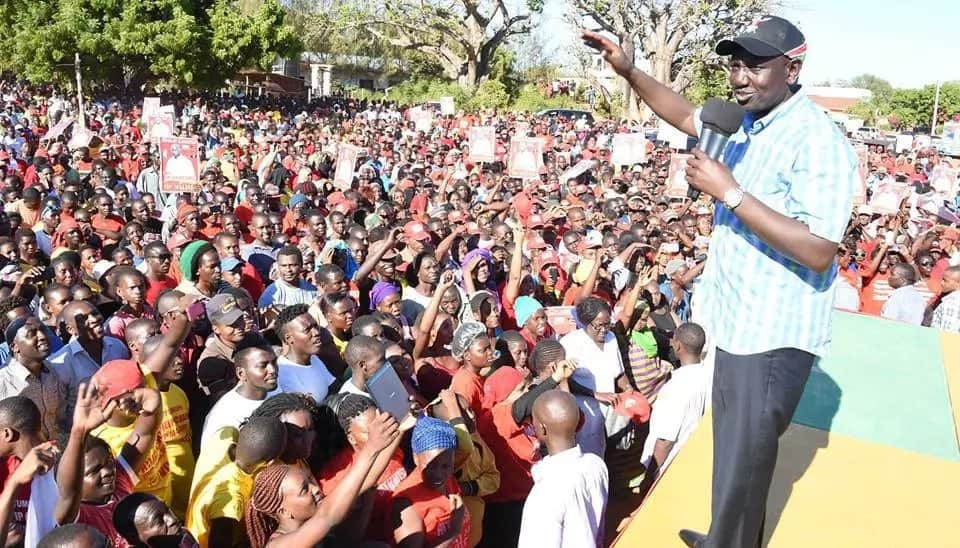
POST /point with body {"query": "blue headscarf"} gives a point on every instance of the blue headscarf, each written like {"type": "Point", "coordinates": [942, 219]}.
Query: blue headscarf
{"type": "Point", "coordinates": [431, 433]}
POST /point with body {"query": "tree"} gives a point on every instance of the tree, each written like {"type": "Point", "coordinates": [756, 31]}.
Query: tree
{"type": "Point", "coordinates": [676, 37]}
{"type": "Point", "coordinates": [199, 43]}
{"type": "Point", "coordinates": [463, 36]}
{"type": "Point", "coordinates": [880, 89]}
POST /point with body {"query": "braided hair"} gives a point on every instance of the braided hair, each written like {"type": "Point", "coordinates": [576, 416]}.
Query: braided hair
{"type": "Point", "coordinates": [260, 514]}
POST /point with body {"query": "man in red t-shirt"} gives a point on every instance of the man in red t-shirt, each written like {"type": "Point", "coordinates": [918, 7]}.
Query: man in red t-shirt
{"type": "Point", "coordinates": [20, 416]}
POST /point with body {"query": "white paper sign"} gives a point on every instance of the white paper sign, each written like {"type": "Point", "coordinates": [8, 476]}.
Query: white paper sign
{"type": "Point", "coordinates": [447, 106]}
{"type": "Point", "coordinates": [672, 136]}
{"type": "Point", "coordinates": [904, 142]}
{"type": "Point", "coordinates": [346, 161]}
{"type": "Point", "coordinates": [628, 149]}
{"type": "Point", "coordinates": [581, 167]}
{"type": "Point", "coordinates": [677, 185]}
{"type": "Point", "coordinates": [483, 143]}
{"type": "Point", "coordinates": [525, 158]}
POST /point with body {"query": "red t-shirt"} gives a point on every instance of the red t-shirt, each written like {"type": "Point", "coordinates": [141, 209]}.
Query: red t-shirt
{"type": "Point", "coordinates": [336, 468]}
{"type": "Point", "coordinates": [7, 467]}
{"type": "Point", "coordinates": [433, 375]}
{"type": "Point", "coordinates": [469, 385]}
{"type": "Point", "coordinates": [155, 288]}
{"type": "Point", "coordinates": [100, 516]}
{"type": "Point", "coordinates": [513, 449]}
{"type": "Point", "coordinates": [433, 508]}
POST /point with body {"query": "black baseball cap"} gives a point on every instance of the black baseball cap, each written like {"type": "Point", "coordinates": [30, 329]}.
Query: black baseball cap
{"type": "Point", "coordinates": [768, 36]}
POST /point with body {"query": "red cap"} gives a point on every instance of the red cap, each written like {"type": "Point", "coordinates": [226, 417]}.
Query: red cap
{"type": "Point", "coordinates": [535, 221]}
{"type": "Point", "coordinates": [176, 241]}
{"type": "Point", "coordinates": [415, 231]}
{"type": "Point", "coordinates": [457, 217]}
{"type": "Point", "coordinates": [950, 234]}
{"type": "Point", "coordinates": [534, 241]}
{"type": "Point", "coordinates": [4, 155]}
{"type": "Point", "coordinates": [117, 377]}
{"type": "Point", "coordinates": [633, 405]}
{"type": "Point", "coordinates": [473, 228]}
{"type": "Point", "coordinates": [41, 153]}
{"type": "Point", "coordinates": [548, 257]}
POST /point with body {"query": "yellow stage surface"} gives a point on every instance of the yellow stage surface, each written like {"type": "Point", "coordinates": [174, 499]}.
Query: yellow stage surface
{"type": "Point", "coordinates": [850, 493]}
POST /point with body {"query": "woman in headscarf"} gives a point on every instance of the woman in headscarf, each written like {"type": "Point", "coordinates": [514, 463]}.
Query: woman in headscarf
{"type": "Point", "coordinates": [427, 503]}
{"type": "Point", "coordinates": [484, 309]}
{"type": "Point", "coordinates": [478, 271]}
{"type": "Point", "coordinates": [385, 298]}
{"type": "Point", "coordinates": [476, 353]}
{"type": "Point", "coordinates": [288, 508]}
{"type": "Point", "coordinates": [67, 237]}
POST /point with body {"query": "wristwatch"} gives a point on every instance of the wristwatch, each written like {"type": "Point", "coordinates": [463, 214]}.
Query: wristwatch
{"type": "Point", "coordinates": [732, 198]}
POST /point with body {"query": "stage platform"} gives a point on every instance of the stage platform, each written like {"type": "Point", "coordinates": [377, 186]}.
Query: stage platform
{"type": "Point", "coordinates": [871, 459]}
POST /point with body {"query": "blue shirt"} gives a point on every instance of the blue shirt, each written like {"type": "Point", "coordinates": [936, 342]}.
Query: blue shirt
{"type": "Point", "coordinates": [282, 294]}
{"type": "Point", "coordinates": [752, 297]}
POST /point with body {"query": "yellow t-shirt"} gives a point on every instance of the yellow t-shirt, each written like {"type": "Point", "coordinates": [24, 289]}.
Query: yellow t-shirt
{"type": "Point", "coordinates": [218, 492]}
{"type": "Point", "coordinates": [154, 469]}
{"type": "Point", "coordinates": [176, 435]}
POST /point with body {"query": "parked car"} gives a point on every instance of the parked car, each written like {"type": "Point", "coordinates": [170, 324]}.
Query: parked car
{"type": "Point", "coordinates": [567, 114]}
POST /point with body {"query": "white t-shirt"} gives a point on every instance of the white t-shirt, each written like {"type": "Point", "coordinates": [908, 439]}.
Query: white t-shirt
{"type": "Point", "coordinates": [230, 410]}
{"type": "Point", "coordinates": [597, 369]}
{"type": "Point", "coordinates": [314, 379]}
{"type": "Point", "coordinates": [680, 404]}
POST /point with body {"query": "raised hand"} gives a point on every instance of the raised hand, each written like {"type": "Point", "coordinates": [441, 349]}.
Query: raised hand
{"type": "Point", "coordinates": [383, 431]}
{"type": "Point", "coordinates": [39, 460]}
{"type": "Point", "coordinates": [88, 413]}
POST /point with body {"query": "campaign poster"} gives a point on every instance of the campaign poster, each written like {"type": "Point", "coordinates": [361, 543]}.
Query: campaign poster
{"type": "Point", "coordinates": [944, 180]}
{"type": "Point", "coordinates": [151, 106]}
{"type": "Point", "coordinates": [522, 129]}
{"type": "Point", "coordinates": [422, 118]}
{"type": "Point", "coordinates": [160, 126]}
{"type": "Point", "coordinates": [81, 137]}
{"type": "Point", "coordinates": [483, 143]}
{"type": "Point", "coordinates": [628, 149]}
{"type": "Point", "coordinates": [673, 137]}
{"type": "Point", "coordinates": [447, 106]}
{"type": "Point", "coordinates": [346, 161]}
{"type": "Point", "coordinates": [58, 129]}
{"type": "Point", "coordinates": [179, 164]}
{"type": "Point", "coordinates": [579, 168]}
{"type": "Point", "coordinates": [904, 143]}
{"type": "Point", "coordinates": [677, 185]}
{"type": "Point", "coordinates": [525, 158]}
{"type": "Point", "coordinates": [561, 319]}
{"type": "Point", "coordinates": [886, 200]}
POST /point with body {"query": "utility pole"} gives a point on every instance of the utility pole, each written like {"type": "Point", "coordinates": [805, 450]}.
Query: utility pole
{"type": "Point", "coordinates": [936, 106]}
{"type": "Point", "coordinates": [80, 114]}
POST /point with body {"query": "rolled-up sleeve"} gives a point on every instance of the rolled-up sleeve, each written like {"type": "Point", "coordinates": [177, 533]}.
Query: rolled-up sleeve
{"type": "Point", "coordinates": [822, 185]}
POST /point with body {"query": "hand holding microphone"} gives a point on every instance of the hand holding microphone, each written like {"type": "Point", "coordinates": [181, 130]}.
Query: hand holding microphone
{"type": "Point", "coordinates": [720, 119]}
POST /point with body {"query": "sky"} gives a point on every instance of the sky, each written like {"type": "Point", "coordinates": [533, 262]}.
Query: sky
{"type": "Point", "coordinates": [910, 44]}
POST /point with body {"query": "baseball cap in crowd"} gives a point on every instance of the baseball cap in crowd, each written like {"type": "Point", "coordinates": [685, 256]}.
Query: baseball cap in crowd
{"type": "Point", "coordinates": [768, 36]}
{"type": "Point", "coordinates": [634, 406]}
{"type": "Point", "coordinates": [534, 241]}
{"type": "Point", "coordinates": [416, 231]}
{"type": "Point", "coordinates": [116, 378]}
{"type": "Point", "coordinates": [372, 220]}
{"type": "Point", "coordinates": [592, 240]}
{"type": "Point", "coordinates": [673, 266]}
{"type": "Point", "coordinates": [229, 263]}
{"type": "Point", "coordinates": [375, 247]}
{"type": "Point", "coordinates": [535, 221]}
{"type": "Point", "coordinates": [101, 267]}
{"type": "Point", "coordinates": [176, 241]}
{"type": "Point", "coordinates": [457, 217]}
{"type": "Point", "coordinates": [864, 210]}
{"type": "Point", "coordinates": [223, 309]}
{"type": "Point", "coordinates": [473, 228]}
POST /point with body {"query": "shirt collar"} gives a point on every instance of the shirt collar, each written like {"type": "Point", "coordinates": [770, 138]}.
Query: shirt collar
{"type": "Point", "coordinates": [21, 372]}
{"type": "Point", "coordinates": [753, 125]}
{"type": "Point", "coordinates": [561, 460]}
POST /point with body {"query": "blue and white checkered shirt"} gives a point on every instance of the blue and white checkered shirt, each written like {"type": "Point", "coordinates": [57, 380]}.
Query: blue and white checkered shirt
{"type": "Point", "coordinates": [753, 298]}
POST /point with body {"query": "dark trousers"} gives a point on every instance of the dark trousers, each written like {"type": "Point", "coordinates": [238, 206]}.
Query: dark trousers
{"type": "Point", "coordinates": [501, 524]}
{"type": "Point", "coordinates": [754, 397]}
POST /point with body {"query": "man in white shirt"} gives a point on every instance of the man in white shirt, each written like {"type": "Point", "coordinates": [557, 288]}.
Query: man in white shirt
{"type": "Point", "coordinates": [257, 377]}
{"type": "Point", "coordinates": [300, 368]}
{"type": "Point", "coordinates": [290, 288]}
{"type": "Point", "coordinates": [680, 403]}
{"type": "Point", "coordinates": [566, 506]}
{"type": "Point", "coordinates": [905, 303]}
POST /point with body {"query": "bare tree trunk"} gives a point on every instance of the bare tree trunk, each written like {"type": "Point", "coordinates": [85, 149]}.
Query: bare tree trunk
{"type": "Point", "coordinates": [631, 110]}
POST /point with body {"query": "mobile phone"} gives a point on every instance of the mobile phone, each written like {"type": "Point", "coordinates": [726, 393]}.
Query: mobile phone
{"type": "Point", "coordinates": [196, 311]}
{"type": "Point", "coordinates": [388, 392]}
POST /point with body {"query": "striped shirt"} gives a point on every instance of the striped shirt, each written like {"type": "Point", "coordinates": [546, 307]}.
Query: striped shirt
{"type": "Point", "coordinates": [754, 298]}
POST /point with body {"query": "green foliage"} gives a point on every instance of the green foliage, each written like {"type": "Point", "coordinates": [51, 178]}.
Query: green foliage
{"type": "Point", "coordinates": [909, 108]}
{"type": "Point", "coordinates": [881, 90]}
{"type": "Point", "coordinates": [189, 43]}
{"type": "Point", "coordinates": [708, 81]}
{"type": "Point", "coordinates": [489, 94]}
{"type": "Point", "coordinates": [531, 99]}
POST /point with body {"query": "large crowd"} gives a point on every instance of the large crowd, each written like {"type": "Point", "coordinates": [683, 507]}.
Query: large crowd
{"type": "Point", "coordinates": [206, 368]}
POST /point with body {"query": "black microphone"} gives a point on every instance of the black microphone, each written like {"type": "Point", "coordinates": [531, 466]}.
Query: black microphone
{"type": "Point", "coordinates": [720, 120]}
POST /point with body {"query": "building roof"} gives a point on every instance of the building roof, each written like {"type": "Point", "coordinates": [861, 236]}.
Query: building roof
{"type": "Point", "coordinates": [834, 104]}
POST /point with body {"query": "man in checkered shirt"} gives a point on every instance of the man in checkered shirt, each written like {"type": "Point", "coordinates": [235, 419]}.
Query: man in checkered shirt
{"type": "Point", "coordinates": [784, 193]}
{"type": "Point", "coordinates": [946, 314]}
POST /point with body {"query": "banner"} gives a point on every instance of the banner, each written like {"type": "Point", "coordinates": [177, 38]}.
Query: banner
{"type": "Point", "coordinates": [628, 149]}
{"type": "Point", "coordinates": [422, 118]}
{"type": "Point", "coordinates": [346, 161]}
{"type": "Point", "coordinates": [160, 126]}
{"type": "Point", "coordinates": [887, 199]}
{"type": "Point", "coordinates": [81, 138]}
{"type": "Point", "coordinates": [57, 130]}
{"type": "Point", "coordinates": [673, 137]}
{"type": "Point", "coordinates": [904, 143]}
{"type": "Point", "coordinates": [579, 168]}
{"type": "Point", "coordinates": [151, 106]}
{"type": "Point", "coordinates": [525, 158]}
{"type": "Point", "coordinates": [944, 180]}
{"type": "Point", "coordinates": [561, 319]}
{"type": "Point", "coordinates": [677, 185]}
{"type": "Point", "coordinates": [447, 106]}
{"type": "Point", "coordinates": [179, 164]}
{"type": "Point", "coordinates": [483, 143]}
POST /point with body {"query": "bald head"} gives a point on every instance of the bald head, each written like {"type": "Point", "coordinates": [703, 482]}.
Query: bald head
{"type": "Point", "coordinates": [555, 418]}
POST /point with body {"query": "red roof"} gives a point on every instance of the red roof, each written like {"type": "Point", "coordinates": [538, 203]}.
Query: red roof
{"type": "Point", "coordinates": [834, 104]}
